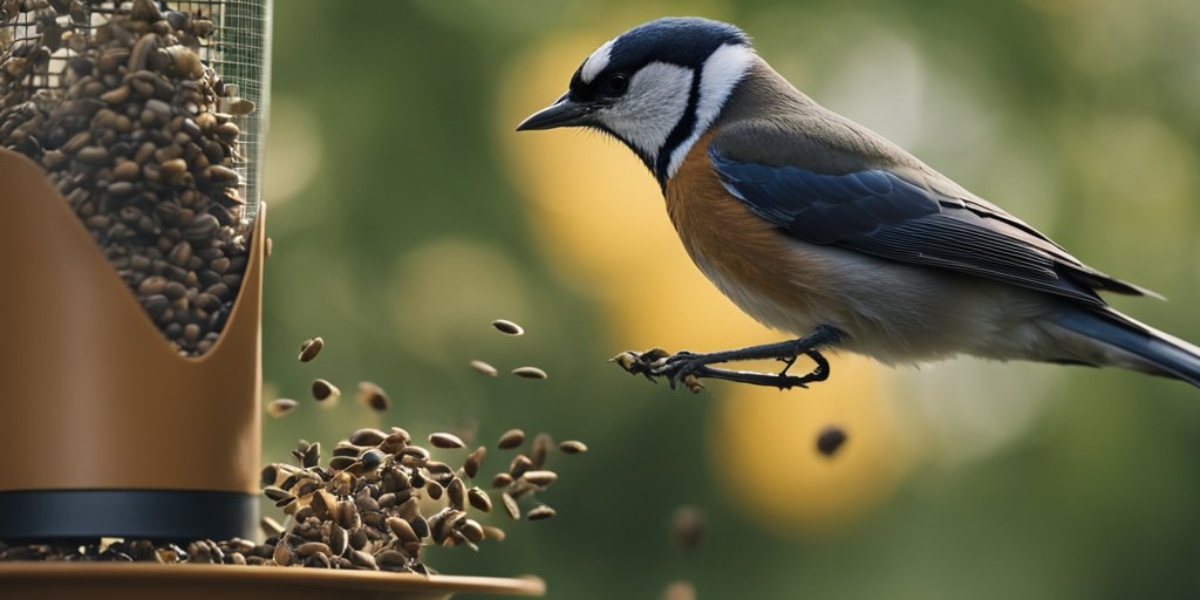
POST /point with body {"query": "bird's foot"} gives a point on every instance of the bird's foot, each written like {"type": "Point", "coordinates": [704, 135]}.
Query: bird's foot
{"type": "Point", "coordinates": [688, 368]}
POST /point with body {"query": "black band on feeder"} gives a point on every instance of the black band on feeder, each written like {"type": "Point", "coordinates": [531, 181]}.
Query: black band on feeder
{"type": "Point", "coordinates": [168, 515]}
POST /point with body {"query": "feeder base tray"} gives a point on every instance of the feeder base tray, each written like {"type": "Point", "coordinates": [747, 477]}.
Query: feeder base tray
{"type": "Point", "coordinates": [101, 581]}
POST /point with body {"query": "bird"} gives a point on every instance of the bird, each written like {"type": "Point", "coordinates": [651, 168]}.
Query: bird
{"type": "Point", "coordinates": [816, 226]}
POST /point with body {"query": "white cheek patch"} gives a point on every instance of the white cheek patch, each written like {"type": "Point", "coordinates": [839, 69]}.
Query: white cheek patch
{"type": "Point", "coordinates": [722, 71]}
{"type": "Point", "coordinates": [596, 63]}
{"type": "Point", "coordinates": [656, 101]}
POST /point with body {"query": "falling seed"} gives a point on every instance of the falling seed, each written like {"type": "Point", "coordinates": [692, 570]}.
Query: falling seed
{"type": "Point", "coordinates": [510, 505]}
{"type": "Point", "coordinates": [511, 439]}
{"type": "Point", "coordinates": [541, 512]}
{"type": "Point", "coordinates": [502, 480]}
{"type": "Point", "coordinates": [457, 492]}
{"type": "Point", "coordinates": [529, 373]}
{"type": "Point", "coordinates": [473, 461]}
{"type": "Point", "coordinates": [540, 478]}
{"type": "Point", "coordinates": [541, 450]}
{"type": "Point", "coordinates": [689, 527]}
{"type": "Point", "coordinates": [572, 447]}
{"type": "Point", "coordinates": [310, 348]}
{"type": "Point", "coordinates": [494, 533]}
{"type": "Point", "coordinates": [506, 326]}
{"type": "Point", "coordinates": [830, 440]}
{"type": "Point", "coordinates": [472, 530]}
{"type": "Point", "coordinates": [281, 407]}
{"type": "Point", "coordinates": [270, 244]}
{"type": "Point", "coordinates": [434, 490]}
{"type": "Point", "coordinates": [446, 441]}
{"type": "Point", "coordinates": [322, 390]}
{"type": "Point", "coordinates": [373, 396]}
{"type": "Point", "coordinates": [479, 499]}
{"type": "Point", "coordinates": [519, 465]}
{"type": "Point", "coordinates": [484, 368]}
{"type": "Point", "coordinates": [679, 590]}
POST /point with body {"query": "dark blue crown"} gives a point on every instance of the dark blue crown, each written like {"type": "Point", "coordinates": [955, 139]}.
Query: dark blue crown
{"type": "Point", "coordinates": [685, 41]}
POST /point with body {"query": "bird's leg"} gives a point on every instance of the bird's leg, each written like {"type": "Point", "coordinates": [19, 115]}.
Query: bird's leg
{"type": "Point", "coordinates": [688, 367]}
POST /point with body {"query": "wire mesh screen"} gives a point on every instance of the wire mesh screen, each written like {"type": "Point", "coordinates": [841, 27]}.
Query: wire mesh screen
{"type": "Point", "coordinates": [40, 38]}
{"type": "Point", "coordinates": [147, 117]}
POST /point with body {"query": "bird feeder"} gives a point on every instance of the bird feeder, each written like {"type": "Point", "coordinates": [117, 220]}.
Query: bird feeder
{"type": "Point", "coordinates": [134, 242]}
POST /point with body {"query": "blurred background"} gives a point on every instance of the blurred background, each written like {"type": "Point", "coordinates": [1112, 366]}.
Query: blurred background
{"type": "Point", "coordinates": [406, 215]}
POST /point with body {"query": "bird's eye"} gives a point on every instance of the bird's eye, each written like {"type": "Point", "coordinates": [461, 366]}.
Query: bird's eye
{"type": "Point", "coordinates": [616, 84]}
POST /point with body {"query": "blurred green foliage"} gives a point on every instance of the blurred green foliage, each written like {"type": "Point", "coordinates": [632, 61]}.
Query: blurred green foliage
{"type": "Point", "coordinates": [408, 237]}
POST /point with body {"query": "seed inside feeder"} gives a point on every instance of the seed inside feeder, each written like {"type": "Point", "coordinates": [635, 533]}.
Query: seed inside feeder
{"type": "Point", "coordinates": [131, 133]}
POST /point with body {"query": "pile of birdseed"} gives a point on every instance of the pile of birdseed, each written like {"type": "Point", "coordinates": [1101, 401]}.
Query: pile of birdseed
{"type": "Point", "coordinates": [374, 505]}
{"type": "Point", "coordinates": [138, 135]}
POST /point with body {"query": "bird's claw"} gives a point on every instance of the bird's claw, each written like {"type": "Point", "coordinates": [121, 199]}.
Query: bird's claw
{"type": "Point", "coordinates": [687, 368]}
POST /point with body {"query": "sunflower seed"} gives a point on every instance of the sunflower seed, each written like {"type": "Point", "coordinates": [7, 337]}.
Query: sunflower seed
{"type": "Point", "coordinates": [511, 439]}
{"type": "Point", "coordinates": [530, 373]}
{"type": "Point", "coordinates": [322, 390]}
{"type": "Point", "coordinates": [280, 407]}
{"type": "Point", "coordinates": [541, 512]}
{"type": "Point", "coordinates": [310, 348]}
{"type": "Point", "coordinates": [506, 326]}
{"type": "Point", "coordinates": [484, 368]}
{"type": "Point", "coordinates": [480, 499]}
{"type": "Point", "coordinates": [445, 440]}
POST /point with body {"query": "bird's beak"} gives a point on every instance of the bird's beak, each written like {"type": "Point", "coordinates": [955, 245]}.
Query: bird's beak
{"type": "Point", "coordinates": [563, 113]}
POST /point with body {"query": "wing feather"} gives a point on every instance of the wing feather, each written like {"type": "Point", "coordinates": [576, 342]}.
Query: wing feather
{"type": "Point", "coordinates": [883, 213]}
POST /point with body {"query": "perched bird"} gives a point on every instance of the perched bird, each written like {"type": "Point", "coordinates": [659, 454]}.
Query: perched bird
{"type": "Point", "coordinates": [815, 225]}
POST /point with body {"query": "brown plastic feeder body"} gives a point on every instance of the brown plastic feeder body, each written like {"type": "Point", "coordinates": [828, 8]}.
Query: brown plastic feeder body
{"type": "Point", "coordinates": [96, 400]}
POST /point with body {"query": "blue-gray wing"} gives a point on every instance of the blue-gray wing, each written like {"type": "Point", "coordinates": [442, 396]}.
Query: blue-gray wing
{"type": "Point", "coordinates": [880, 213]}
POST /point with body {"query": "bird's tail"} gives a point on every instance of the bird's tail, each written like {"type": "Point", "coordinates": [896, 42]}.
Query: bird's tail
{"type": "Point", "coordinates": [1147, 349]}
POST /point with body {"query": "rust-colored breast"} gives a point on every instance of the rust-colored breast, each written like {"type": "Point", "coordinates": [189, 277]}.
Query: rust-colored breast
{"type": "Point", "coordinates": [749, 259]}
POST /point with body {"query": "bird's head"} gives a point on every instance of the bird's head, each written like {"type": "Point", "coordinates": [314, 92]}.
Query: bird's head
{"type": "Point", "coordinates": [657, 87]}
